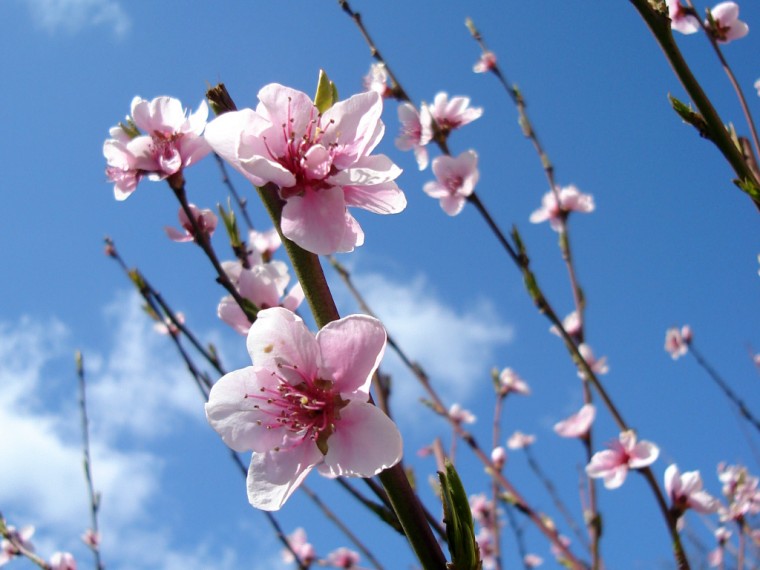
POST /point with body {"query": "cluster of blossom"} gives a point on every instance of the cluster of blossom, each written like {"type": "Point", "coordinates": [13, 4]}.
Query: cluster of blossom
{"type": "Point", "coordinates": [342, 557]}
{"type": "Point", "coordinates": [677, 341]}
{"type": "Point", "coordinates": [722, 21]}
{"type": "Point", "coordinates": [20, 539]}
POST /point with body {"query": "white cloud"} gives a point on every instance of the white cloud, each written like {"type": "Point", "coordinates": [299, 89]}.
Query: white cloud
{"type": "Point", "coordinates": [72, 16]}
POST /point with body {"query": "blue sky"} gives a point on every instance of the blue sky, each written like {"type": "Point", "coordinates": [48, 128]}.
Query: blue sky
{"type": "Point", "coordinates": [672, 241]}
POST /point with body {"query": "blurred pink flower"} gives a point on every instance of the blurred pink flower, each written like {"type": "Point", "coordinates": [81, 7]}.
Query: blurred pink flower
{"type": "Point", "coordinates": [320, 162]}
{"type": "Point", "coordinates": [532, 561]}
{"type": "Point", "coordinates": [498, 457]}
{"type": "Point", "coordinates": [485, 541]}
{"type": "Point", "coordinates": [578, 424]}
{"type": "Point", "coordinates": [571, 323]}
{"type": "Point", "coordinates": [518, 440]}
{"type": "Point", "coordinates": [677, 341]}
{"type": "Point", "coordinates": [685, 491]}
{"type": "Point", "coordinates": [570, 200]}
{"type": "Point", "coordinates": [455, 180]}
{"type": "Point", "coordinates": [91, 538]}
{"type": "Point", "coordinates": [62, 561]}
{"type": "Point", "coordinates": [483, 510]}
{"type": "Point", "coordinates": [454, 113]}
{"type": "Point", "coordinates": [715, 557]}
{"type": "Point", "coordinates": [263, 244]}
{"type": "Point", "coordinates": [416, 132]}
{"type": "Point", "coordinates": [301, 546]}
{"type": "Point", "coordinates": [598, 365]}
{"type": "Point", "coordinates": [304, 404]}
{"type": "Point", "coordinates": [461, 416]}
{"type": "Point", "coordinates": [728, 26]}
{"type": "Point", "coordinates": [613, 464]}
{"type": "Point", "coordinates": [681, 19]}
{"type": "Point", "coordinates": [8, 548]}
{"type": "Point", "coordinates": [378, 80]}
{"type": "Point", "coordinates": [486, 62]}
{"type": "Point", "coordinates": [510, 381]}
{"type": "Point", "coordinates": [165, 327]}
{"type": "Point", "coordinates": [206, 220]}
{"type": "Point", "coordinates": [343, 558]}
{"type": "Point", "coordinates": [741, 491]}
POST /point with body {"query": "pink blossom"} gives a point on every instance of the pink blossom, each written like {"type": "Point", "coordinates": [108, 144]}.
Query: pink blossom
{"type": "Point", "coordinates": [455, 180]}
{"type": "Point", "coordinates": [320, 162]}
{"type": "Point", "coordinates": [715, 557]}
{"type": "Point", "coordinates": [519, 440]}
{"type": "Point", "coordinates": [483, 510]}
{"type": "Point", "coordinates": [121, 168]}
{"type": "Point", "coordinates": [612, 464]}
{"type": "Point", "coordinates": [740, 490]}
{"type": "Point", "coordinates": [485, 541]}
{"type": "Point", "coordinates": [681, 18]}
{"type": "Point", "coordinates": [571, 323]}
{"type": "Point", "coordinates": [343, 558]}
{"type": "Point", "coordinates": [498, 457]}
{"type": "Point", "coordinates": [62, 561]}
{"type": "Point", "coordinates": [461, 416]}
{"type": "Point", "coordinates": [486, 62]}
{"type": "Point", "coordinates": [598, 365]}
{"type": "Point", "coordinates": [578, 424]}
{"type": "Point", "coordinates": [263, 244]}
{"type": "Point", "coordinates": [264, 285]}
{"type": "Point", "coordinates": [570, 200]}
{"type": "Point", "coordinates": [510, 381]}
{"type": "Point", "coordinates": [91, 538]}
{"type": "Point", "coordinates": [677, 341]}
{"type": "Point", "coordinates": [454, 113]}
{"type": "Point", "coordinates": [757, 87]}
{"type": "Point", "coordinates": [416, 132]}
{"type": "Point", "coordinates": [727, 25]}
{"type": "Point", "coordinates": [166, 327]}
{"type": "Point", "coordinates": [378, 80]}
{"type": "Point", "coordinates": [532, 561]}
{"type": "Point", "coordinates": [300, 545]}
{"type": "Point", "coordinates": [22, 538]}
{"type": "Point", "coordinates": [304, 404]}
{"type": "Point", "coordinates": [206, 220]}
{"type": "Point", "coordinates": [685, 491]}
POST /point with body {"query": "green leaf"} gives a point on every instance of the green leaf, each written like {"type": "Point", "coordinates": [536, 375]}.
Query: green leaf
{"type": "Point", "coordinates": [457, 516]}
{"type": "Point", "coordinates": [327, 93]}
{"type": "Point", "coordinates": [749, 186]}
{"type": "Point", "coordinates": [690, 116]}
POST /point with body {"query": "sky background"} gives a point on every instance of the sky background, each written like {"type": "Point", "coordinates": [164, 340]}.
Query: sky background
{"type": "Point", "coordinates": [672, 242]}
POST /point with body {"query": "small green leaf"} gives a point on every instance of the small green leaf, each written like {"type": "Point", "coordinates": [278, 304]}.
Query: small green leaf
{"type": "Point", "coordinates": [457, 516]}
{"type": "Point", "coordinates": [749, 186]}
{"type": "Point", "coordinates": [690, 116]}
{"type": "Point", "coordinates": [327, 93]}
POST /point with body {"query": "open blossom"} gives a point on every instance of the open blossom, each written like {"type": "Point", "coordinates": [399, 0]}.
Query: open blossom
{"type": "Point", "coordinates": [598, 365]}
{"type": "Point", "coordinates": [378, 80]}
{"type": "Point", "coordinates": [519, 440]}
{"type": "Point", "coordinates": [453, 113]}
{"type": "Point", "coordinates": [416, 132]}
{"type": "Point", "coordinates": [8, 548]}
{"type": "Point", "coordinates": [263, 244]}
{"type": "Point", "coordinates": [727, 25]}
{"type": "Point", "coordinates": [455, 180]}
{"type": "Point", "coordinates": [681, 19]}
{"type": "Point", "coordinates": [304, 404]}
{"type": "Point", "coordinates": [741, 490]}
{"type": "Point", "coordinates": [510, 381]}
{"type": "Point", "coordinates": [571, 323]}
{"type": "Point", "coordinates": [613, 464]}
{"type": "Point", "coordinates": [321, 163]}
{"type": "Point", "coordinates": [343, 558]}
{"type": "Point", "coordinates": [677, 341]}
{"type": "Point", "coordinates": [483, 510]}
{"type": "Point", "coordinates": [301, 546]}
{"type": "Point", "coordinates": [166, 327]}
{"type": "Point", "coordinates": [486, 62]}
{"type": "Point", "coordinates": [173, 141]}
{"type": "Point", "coordinates": [685, 491]}
{"type": "Point", "coordinates": [578, 424]}
{"type": "Point", "coordinates": [460, 415]}
{"type": "Point", "coordinates": [570, 200]}
{"type": "Point", "coordinates": [264, 285]}
{"type": "Point", "coordinates": [715, 557]}
{"type": "Point", "coordinates": [206, 220]}
{"type": "Point", "coordinates": [62, 561]}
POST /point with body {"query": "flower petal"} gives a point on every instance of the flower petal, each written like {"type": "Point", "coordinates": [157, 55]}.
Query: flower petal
{"type": "Point", "coordinates": [317, 220]}
{"type": "Point", "coordinates": [273, 476]}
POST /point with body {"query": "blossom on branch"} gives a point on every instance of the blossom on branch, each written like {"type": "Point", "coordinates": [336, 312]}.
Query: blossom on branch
{"type": "Point", "coordinates": [677, 341]}
{"type": "Point", "coordinates": [682, 19]}
{"type": "Point", "coordinates": [343, 558]}
{"type": "Point", "coordinates": [378, 80]}
{"type": "Point", "coordinates": [726, 25]}
{"type": "Point", "coordinates": [455, 180]}
{"type": "Point", "coordinates": [597, 365]}
{"type": "Point", "coordinates": [9, 548]}
{"type": "Point", "coordinates": [301, 546]}
{"type": "Point", "coordinates": [685, 492]}
{"type": "Point", "coordinates": [450, 114]}
{"type": "Point", "coordinates": [62, 561]}
{"type": "Point", "coordinates": [578, 424]}
{"type": "Point", "coordinates": [486, 62]}
{"type": "Point", "coordinates": [556, 211]}
{"type": "Point", "coordinates": [304, 404]}
{"type": "Point", "coordinates": [205, 219]}
{"type": "Point", "coordinates": [519, 440]}
{"type": "Point", "coordinates": [416, 132]}
{"type": "Point", "coordinates": [613, 464]}
{"type": "Point", "coordinates": [321, 163]}
{"type": "Point", "coordinates": [510, 381]}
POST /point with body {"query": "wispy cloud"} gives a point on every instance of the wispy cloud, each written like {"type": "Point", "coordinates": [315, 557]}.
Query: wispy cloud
{"type": "Point", "coordinates": [72, 16]}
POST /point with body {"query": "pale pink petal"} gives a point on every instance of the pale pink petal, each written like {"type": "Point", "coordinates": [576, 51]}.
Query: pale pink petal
{"type": "Point", "coordinates": [352, 349]}
{"type": "Point", "coordinates": [317, 220]}
{"type": "Point", "coordinates": [355, 127]}
{"type": "Point", "coordinates": [578, 424]}
{"type": "Point", "coordinates": [274, 475]}
{"type": "Point", "coordinates": [643, 454]}
{"type": "Point", "coordinates": [384, 198]}
{"type": "Point", "coordinates": [224, 136]}
{"type": "Point", "coordinates": [294, 298]}
{"type": "Point", "coordinates": [365, 443]}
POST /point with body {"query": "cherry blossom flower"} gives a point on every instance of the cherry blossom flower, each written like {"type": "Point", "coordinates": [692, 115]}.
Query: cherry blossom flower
{"type": "Point", "coordinates": [726, 25]}
{"type": "Point", "coordinates": [532, 561]}
{"type": "Point", "coordinates": [343, 558]}
{"type": "Point", "coordinates": [461, 416]}
{"type": "Point", "coordinates": [681, 18]}
{"type": "Point", "coordinates": [578, 424]}
{"type": "Point", "coordinates": [715, 557]}
{"type": "Point", "coordinates": [571, 323]}
{"type": "Point", "coordinates": [300, 545]}
{"type": "Point", "coordinates": [519, 440]}
{"type": "Point", "coordinates": [483, 510]}
{"type": "Point", "coordinates": [486, 62]}
{"type": "Point", "coordinates": [378, 80]}
{"type": "Point", "coordinates": [320, 162]}
{"type": "Point", "coordinates": [206, 220]}
{"type": "Point", "coordinates": [22, 538]}
{"type": "Point", "coordinates": [416, 132]}
{"type": "Point", "coordinates": [685, 492]}
{"type": "Point", "coordinates": [263, 245]}
{"type": "Point", "coordinates": [510, 381]}
{"type": "Point", "coordinates": [91, 538]}
{"type": "Point", "coordinates": [677, 341]}
{"type": "Point", "coordinates": [173, 141]}
{"type": "Point", "coordinates": [598, 365]}
{"type": "Point", "coordinates": [304, 404]}
{"type": "Point", "coordinates": [613, 464]}
{"type": "Point", "coordinates": [498, 457]}
{"type": "Point", "coordinates": [570, 200]}
{"type": "Point", "coordinates": [455, 180]}
{"type": "Point", "coordinates": [264, 285]}
{"type": "Point", "coordinates": [62, 561]}
{"type": "Point", "coordinates": [167, 327]}
{"type": "Point", "coordinates": [740, 490]}
{"type": "Point", "coordinates": [454, 113]}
